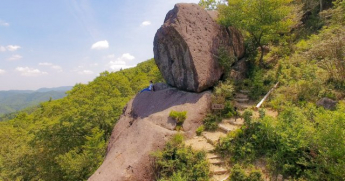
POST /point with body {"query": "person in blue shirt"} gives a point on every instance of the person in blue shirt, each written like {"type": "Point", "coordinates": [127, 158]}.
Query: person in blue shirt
{"type": "Point", "coordinates": [149, 88]}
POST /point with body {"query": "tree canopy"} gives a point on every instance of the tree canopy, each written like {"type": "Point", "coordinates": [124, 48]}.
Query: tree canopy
{"type": "Point", "coordinates": [263, 20]}
{"type": "Point", "coordinates": [66, 139]}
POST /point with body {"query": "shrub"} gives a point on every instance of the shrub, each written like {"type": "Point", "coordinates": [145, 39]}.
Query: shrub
{"type": "Point", "coordinates": [200, 130]}
{"type": "Point", "coordinates": [247, 116]}
{"type": "Point", "coordinates": [222, 92]}
{"type": "Point", "coordinates": [225, 60]}
{"type": "Point", "coordinates": [180, 117]}
{"type": "Point", "coordinates": [211, 122]}
{"type": "Point", "coordinates": [238, 174]}
{"type": "Point", "coordinates": [228, 110]}
{"type": "Point", "coordinates": [178, 162]}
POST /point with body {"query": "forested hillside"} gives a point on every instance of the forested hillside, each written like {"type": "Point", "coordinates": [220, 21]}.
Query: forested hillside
{"type": "Point", "coordinates": [12, 101]}
{"type": "Point", "coordinates": [66, 139]}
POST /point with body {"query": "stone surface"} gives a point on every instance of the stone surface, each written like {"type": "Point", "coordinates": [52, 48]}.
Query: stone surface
{"type": "Point", "coordinates": [239, 70]}
{"type": "Point", "coordinates": [327, 103]}
{"type": "Point", "coordinates": [145, 127]}
{"type": "Point", "coordinates": [186, 47]}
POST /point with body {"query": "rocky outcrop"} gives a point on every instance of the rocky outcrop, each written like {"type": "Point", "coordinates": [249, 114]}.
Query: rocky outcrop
{"type": "Point", "coordinates": [239, 70]}
{"type": "Point", "coordinates": [327, 103]}
{"type": "Point", "coordinates": [145, 127]}
{"type": "Point", "coordinates": [186, 47]}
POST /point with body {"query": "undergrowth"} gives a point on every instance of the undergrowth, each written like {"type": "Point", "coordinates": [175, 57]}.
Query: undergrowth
{"type": "Point", "coordinates": [177, 162]}
{"type": "Point", "coordinates": [299, 143]}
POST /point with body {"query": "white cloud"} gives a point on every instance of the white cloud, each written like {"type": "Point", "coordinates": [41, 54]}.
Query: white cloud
{"type": "Point", "coordinates": [126, 57]}
{"type": "Point", "coordinates": [117, 65]}
{"type": "Point", "coordinates": [15, 57]}
{"type": "Point", "coordinates": [2, 71]}
{"type": "Point", "coordinates": [9, 48]}
{"type": "Point", "coordinates": [121, 62]}
{"type": "Point", "coordinates": [100, 45]}
{"type": "Point", "coordinates": [86, 72]}
{"type": "Point", "coordinates": [3, 23]}
{"type": "Point", "coordinates": [146, 23]}
{"type": "Point", "coordinates": [13, 47]}
{"type": "Point", "coordinates": [26, 71]}
{"type": "Point", "coordinates": [51, 65]}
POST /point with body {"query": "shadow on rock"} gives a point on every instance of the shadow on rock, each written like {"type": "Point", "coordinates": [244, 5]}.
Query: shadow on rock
{"type": "Point", "coordinates": [148, 103]}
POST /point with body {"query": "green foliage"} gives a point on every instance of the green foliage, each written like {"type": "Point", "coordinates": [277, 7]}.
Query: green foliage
{"type": "Point", "coordinates": [211, 122]}
{"type": "Point", "coordinates": [200, 130]}
{"type": "Point", "coordinates": [180, 117]}
{"type": "Point", "coordinates": [209, 4]}
{"type": "Point", "coordinates": [66, 139]}
{"type": "Point", "coordinates": [228, 110]}
{"type": "Point", "coordinates": [12, 101]}
{"type": "Point", "coordinates": [299, 143]}
{"type": "Point", "coordinates": [222, 92]}
{"type": "Point", "coordinates": [225, 60]}
{"type": "Point", "coordinates": [264, 20]}
{"type": "Point", "coordinates": [178, 162]}
{"type": "Point", "coordinates": [239, 174]}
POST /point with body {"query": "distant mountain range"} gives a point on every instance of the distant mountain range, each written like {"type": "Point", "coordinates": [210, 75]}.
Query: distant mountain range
{"type": "Point", "coordinates": [15, 100]}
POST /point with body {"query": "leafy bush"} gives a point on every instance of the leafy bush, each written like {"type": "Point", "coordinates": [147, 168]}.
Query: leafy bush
{"type": "Point", "coordinates": [180, 117]}
{"type": "Point", "coordinates": [222, 92]}
{"type": "Point", "coordinates": [238, 174]}
{"type": "Point", "coordinates": [211, 122]}
{"type": "Point", "coordinates": [225, 60]}
{"type": "Point", "coordinates": [299, 143]}
{"type": "Point", "coordinates": [178, 162]}
{"type": "Point", "coordinates": [200, 130]}
{"type": "Point", "coordinates": [228, 110]}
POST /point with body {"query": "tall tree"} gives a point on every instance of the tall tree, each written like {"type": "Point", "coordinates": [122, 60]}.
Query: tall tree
{"type": "Point", "coordinates": [263, 20]}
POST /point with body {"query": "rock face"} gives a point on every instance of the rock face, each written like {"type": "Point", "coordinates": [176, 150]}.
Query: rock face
{"type": "Point", "coordinates": [327, 103]}
{"type": "Point", "coordinates": [187, 44]}
{"type": "Point", "coordinates": [145, 127]}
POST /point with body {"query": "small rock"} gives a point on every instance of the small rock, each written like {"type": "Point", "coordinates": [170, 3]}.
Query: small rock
{"type": "Point", "coordinates": [327, 103]}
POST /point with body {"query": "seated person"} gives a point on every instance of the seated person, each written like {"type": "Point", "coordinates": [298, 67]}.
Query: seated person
{"type": "Point", "coordinates": [150, 88]}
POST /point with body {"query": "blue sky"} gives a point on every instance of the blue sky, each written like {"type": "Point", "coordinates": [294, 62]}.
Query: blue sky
{"type": "Point", "coordinates": [64, 42]}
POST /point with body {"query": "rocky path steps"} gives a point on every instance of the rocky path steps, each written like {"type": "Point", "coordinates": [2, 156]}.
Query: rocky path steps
{"type": "Point", "coordinates": [208, 140]}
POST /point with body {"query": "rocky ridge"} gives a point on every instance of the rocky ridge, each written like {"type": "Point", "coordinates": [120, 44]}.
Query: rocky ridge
{"type": "Point", "coordinates": [144, 127]}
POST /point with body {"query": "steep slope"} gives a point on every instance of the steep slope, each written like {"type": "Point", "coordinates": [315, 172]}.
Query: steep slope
{"type": "Point", "coordinates": [144, 127]}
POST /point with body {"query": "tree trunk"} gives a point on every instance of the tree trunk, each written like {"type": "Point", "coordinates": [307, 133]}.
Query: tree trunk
{"type": "Point", "coordinates": [261, 61]}
{"type": "Point", "coordinates": [321, 5]}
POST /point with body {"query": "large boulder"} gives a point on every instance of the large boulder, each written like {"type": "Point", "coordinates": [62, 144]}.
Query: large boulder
{"type": "Point", "coordinates": [145, 127]}
{"type": "Point", "coordinates": [187, 45]}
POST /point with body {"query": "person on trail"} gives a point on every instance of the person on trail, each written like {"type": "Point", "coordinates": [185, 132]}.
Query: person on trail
{"type": "Point", "coordinates": [150, 88]}
{"type": "Point", "coordinates": [236, 113]}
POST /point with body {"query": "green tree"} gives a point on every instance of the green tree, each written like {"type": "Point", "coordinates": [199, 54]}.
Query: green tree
{"type": "Point", "coordinates": [263, 20]}
{"type": "Point", "coordinates": [208, 4]}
